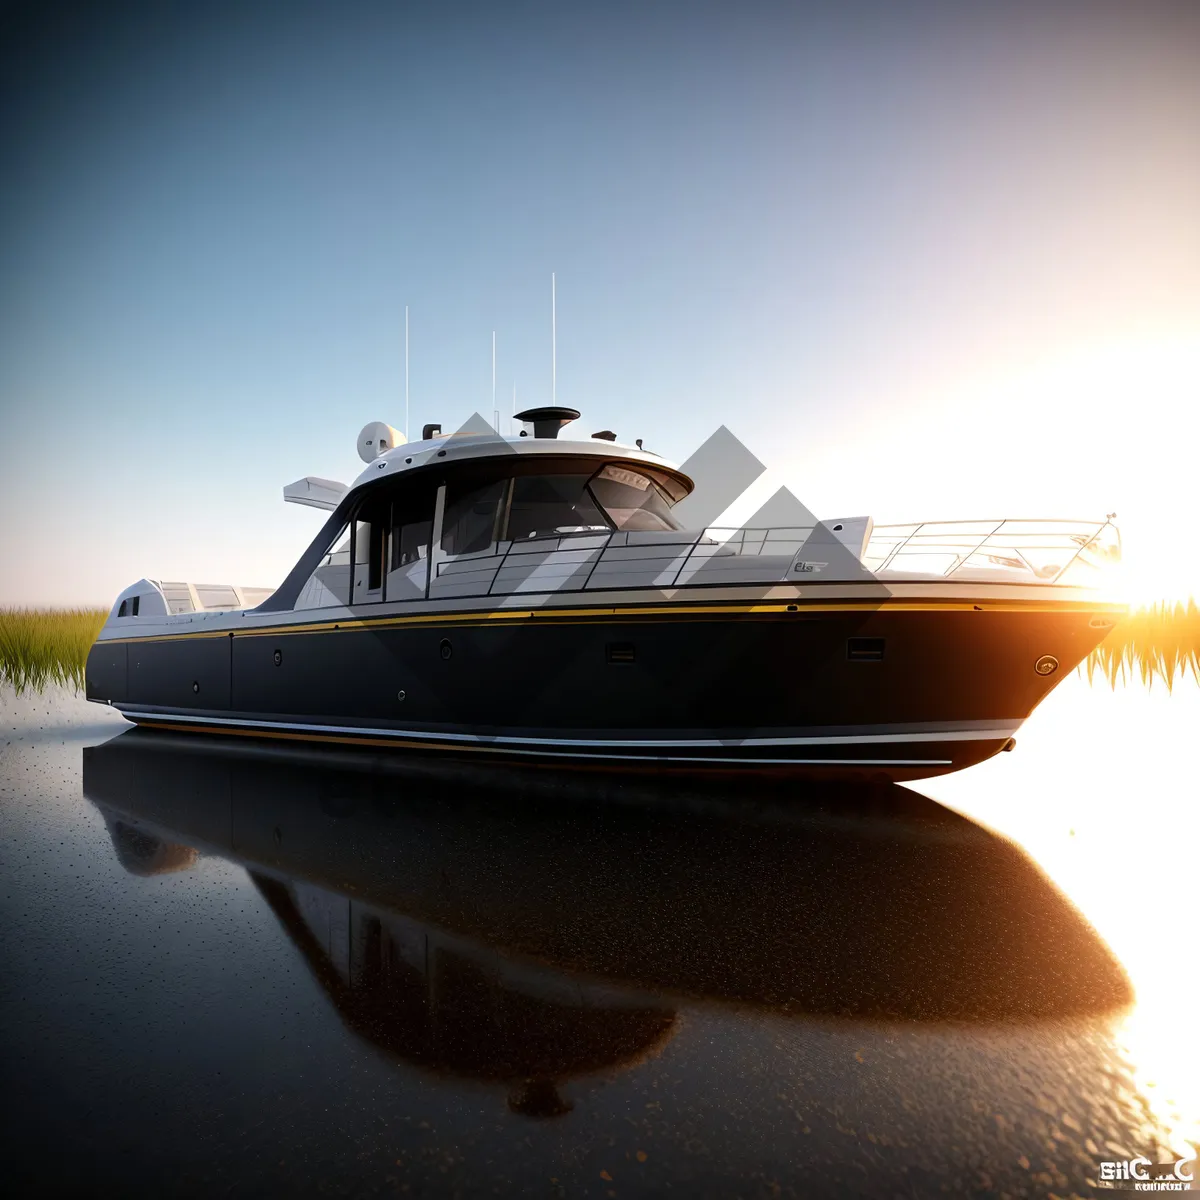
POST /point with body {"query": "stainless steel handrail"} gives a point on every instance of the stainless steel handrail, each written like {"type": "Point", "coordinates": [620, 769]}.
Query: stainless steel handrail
{"type": "Point", "coordinates": [1045, 534]}
{"type": "Point", "coordinates": [1010, 535]}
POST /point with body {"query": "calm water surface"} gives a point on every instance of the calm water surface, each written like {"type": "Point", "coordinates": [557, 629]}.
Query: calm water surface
{"type": "Point", "coordinates": [233, 971]}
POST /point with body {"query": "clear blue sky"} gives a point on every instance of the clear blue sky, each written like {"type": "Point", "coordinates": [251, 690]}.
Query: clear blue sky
{"type": "Point", "coordinates": [926, 260]}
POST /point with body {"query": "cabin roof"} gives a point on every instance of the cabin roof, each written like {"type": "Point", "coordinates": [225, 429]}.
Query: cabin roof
{"type": "Point", "coordinates": [454, 448]}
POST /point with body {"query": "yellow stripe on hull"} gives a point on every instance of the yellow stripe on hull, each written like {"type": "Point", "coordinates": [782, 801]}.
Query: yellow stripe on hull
{"type": "Point", "coordinates": [669, 611]}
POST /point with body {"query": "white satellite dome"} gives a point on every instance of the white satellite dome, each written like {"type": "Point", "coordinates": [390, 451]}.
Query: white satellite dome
{"type": "Point", "coordinates": [378, 438]}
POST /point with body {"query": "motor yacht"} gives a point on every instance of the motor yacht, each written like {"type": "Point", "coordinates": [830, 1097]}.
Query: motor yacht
{"type": "Point", "coordinates": [538, 596]}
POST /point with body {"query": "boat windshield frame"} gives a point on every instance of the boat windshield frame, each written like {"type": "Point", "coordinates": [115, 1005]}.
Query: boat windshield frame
{"type": "Point", "coordinates": [667, 484]}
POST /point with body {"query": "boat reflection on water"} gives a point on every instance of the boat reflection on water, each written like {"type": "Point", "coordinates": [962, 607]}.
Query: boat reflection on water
{"type": "Point", "coordinates": [530, 927]}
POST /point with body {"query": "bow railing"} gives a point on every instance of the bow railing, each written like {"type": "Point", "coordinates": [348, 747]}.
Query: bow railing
{"type": "Point", "coordinates": [1044, 548]}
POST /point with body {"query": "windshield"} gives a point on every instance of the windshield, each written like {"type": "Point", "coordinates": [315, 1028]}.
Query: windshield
{"type": "Point", "coordinates": [632, 500]}
{"type": "Point", "coordinates": [548, 504]}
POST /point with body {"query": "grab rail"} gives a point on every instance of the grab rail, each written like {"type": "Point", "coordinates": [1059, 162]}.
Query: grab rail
{"type": "Point", "coordinates": [1044, 548]}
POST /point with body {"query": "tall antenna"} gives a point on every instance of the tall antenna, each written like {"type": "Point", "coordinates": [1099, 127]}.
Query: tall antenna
{"type": "Point", "coordinates": [512, 425]}
{"type": "Point", "coordinates": [553, 344]}
{"type": "Point", "coordinates": [406, 372]}
{"type": "Point", "coordinates": [495, 410]}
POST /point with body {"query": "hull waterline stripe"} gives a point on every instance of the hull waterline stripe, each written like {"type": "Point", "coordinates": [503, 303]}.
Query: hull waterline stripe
{"type": "Point", "coordinates": [996, 733]}
{"type": "Point", "coordinates": [632, 758]}
{"type": "Point", "coordinates": [666, 611]}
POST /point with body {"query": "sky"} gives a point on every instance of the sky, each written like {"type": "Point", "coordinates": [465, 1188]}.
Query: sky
{"type": "Point", "coordinates": [927, 260]}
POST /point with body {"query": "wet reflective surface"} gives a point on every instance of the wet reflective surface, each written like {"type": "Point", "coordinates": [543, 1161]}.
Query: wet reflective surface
{"type": "Point", "coordinates": [231, 969]}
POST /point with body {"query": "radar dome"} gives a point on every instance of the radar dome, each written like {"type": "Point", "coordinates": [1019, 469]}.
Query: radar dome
{"type": "Point", "coordinates": [378, 438]}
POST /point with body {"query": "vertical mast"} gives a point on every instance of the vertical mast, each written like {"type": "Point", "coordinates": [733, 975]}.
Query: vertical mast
{"type": "Point", "coordinates": [406, 372]}
{"type": "Point", "coordinates": [553, 344]}
{"type": "Point", "coordinates": [495, 410]}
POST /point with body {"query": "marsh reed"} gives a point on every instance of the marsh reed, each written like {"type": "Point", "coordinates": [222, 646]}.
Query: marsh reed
{"type": "Point", "coordinates": [1158, 642]}
{"type": "Point", "coordinates": [45, 646]}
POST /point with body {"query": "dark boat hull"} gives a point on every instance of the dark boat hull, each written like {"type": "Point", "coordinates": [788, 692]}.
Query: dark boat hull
{"type": "Point", "coordinates": [898, 689]}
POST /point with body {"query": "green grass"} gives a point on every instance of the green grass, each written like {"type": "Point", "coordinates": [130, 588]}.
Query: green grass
{"type": "Point", "coordinates": [48, 646]}
{"type": "Point", "coordinates": [45, 646]}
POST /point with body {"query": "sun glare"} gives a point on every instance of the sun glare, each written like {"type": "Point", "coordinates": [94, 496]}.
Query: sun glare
{"type": "Point", "coordinates": [1143, 585]}
{"type": "Point", "coordinates": [1120, 418]}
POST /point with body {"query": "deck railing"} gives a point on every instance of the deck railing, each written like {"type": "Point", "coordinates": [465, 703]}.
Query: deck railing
{"type": "Point", "coordinates": [1040, 551]}
{"type": "Point", "coordinates": [1046, 549]}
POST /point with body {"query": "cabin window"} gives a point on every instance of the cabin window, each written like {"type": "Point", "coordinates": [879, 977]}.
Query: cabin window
{"type": "Point", "coordinates": [329, 584]}
{"type": "Point", "coordinates": [632, 500]}
{"type": "Point", "coordinates": [412, 527]}
{"type": "Point", "coordinates": [411, 534]}
{"type": "Point", "coordinates": [469, 523]}
{"type": "Point", "coordinates": [544, 505]}
{"type": "Point", "coordinates": [134, 606]}
{"type": "Point", "coordinates": [368, 555]}
{"type": "Point", "coordinates": [370, 549]}
{"type": "Point", "coordinates": [123, 611]}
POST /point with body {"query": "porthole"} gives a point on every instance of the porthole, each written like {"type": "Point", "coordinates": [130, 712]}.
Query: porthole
{"type": "Point", "coordinates": [278, 657]}
{"type": "Point", "coordinates": [446, 649]}
{"type": "Point", "coordinates": [195, 685]}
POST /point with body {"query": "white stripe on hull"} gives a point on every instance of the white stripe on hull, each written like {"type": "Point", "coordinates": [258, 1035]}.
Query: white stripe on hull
{"type": "Point", "coordinates": [535, 745]}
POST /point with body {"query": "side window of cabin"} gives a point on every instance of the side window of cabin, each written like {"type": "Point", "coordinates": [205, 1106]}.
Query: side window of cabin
{"type": "Point", "coordinates": [381, 555]}
{"type": "Point", "coordinates": [370, 549]}
{"type": "Point", "coordinates": [545, 505]}
{"type": "Point", "coordinates": [411, 534]}
{"type": "Point", "coordinates": [471, 516]}
{"type": "Point", "coordinates": [412, 526]}
{"type": "Point", "coordinates": [329, 584]}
